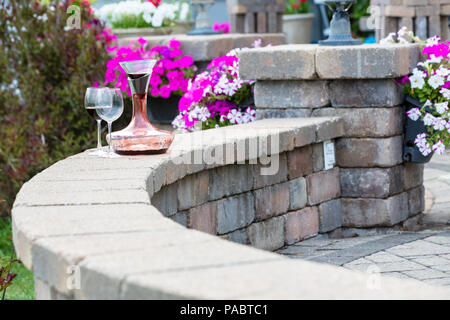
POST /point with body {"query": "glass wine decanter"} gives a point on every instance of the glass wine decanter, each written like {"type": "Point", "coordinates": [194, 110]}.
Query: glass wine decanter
{"type": "Point", "coordinates": [140, 137]}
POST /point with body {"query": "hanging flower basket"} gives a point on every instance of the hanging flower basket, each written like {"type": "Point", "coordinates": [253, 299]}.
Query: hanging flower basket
{"type": "Point", "coordinates": [411, 151]}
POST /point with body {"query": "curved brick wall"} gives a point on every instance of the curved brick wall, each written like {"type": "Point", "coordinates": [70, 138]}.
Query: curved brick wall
{"type": "Point", "coordinates": [89, 229]}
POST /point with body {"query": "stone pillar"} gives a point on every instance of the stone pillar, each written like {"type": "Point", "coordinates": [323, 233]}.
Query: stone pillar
{"type": "Point", "coordinates": [357, 83]}
{"type": "Point", "coordinates": [426, 18]}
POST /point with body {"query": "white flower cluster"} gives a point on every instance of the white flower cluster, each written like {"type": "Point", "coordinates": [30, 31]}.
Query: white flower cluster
{"type": "Point", "coordinates": [238, 117]}
{"type": "Point", "coordinates": [437, 80]}
{"type": "Point", "coordinates": [154, 16]}
{"type": "Point", "coordinates": [438, 123]}
{"type": "Point", "coordinates": [402, 36]}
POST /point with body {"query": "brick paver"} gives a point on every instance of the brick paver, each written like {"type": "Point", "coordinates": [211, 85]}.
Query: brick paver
{"type": "Point", "coordinates": [422, 255]}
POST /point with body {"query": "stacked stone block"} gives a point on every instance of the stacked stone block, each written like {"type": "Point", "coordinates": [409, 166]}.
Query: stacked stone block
{"type": "Point", "coordinates": [426, 18]}
{"type": "Point", "coordinates": [250, 16]}
{"type": "Point", "coordinates": [358, 84]}
{"type": "Point", "coordinates": [236, 202]}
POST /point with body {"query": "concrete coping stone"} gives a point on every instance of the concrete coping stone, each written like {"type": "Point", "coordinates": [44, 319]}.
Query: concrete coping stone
{"type": "Point", "coordinates": [98, 223]}
{"type": "Point", "coordinates": [208, 47]}
{"type": "Point", "coordinates": [309, 62]}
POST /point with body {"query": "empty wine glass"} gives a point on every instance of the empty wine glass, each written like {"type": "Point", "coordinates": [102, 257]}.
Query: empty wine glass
{"type": "Point", "coordinates": [94, 99]}
{"type": "Point", "coordinates": [112, 114]}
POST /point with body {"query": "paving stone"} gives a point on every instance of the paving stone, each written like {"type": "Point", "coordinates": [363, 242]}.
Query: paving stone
{"type": "Point", "coordinates": [418, 248]}
{"type": "Point", "coordinates": [271, 201]}
{"type": "Point", "coordinates": [300, 162]}
{"type": "Point", "coordinates": [371, 182]}
{"type": "Point", "coordinates": [368, 152]}
{"type": "Point", "coordinates": [165, 200]}
{"type": "Point", "coordinates": [317, 157]}
{"type": "Point", "coordinates": [291, 94]}
{"type": "Point", "coordinates": [402, 266]}
{"type": "Point", "coordinates": [362, 213]}
{"type": "Point", "coordinates": [238, 236]}
{"type": "Point", "coordinates": [432, 260]}
{"type": "Point", "coordinates": [193, 190]}
{"type": "Point", "coordinates": [367, 122]}
{"type": "Point", "coordinates": [395, 275]}
{"type": "Point", "coordinates": [235, 212]}
{"type": "Point", "coordinates": [362, 62]}
{"type": "Point", "coordinates": [204, 218]}
{"type": "Point", "coordinates": [440, 238]}
{"type": "Point", "coordinates": [278, 63]}
{"type": "Point", "coordinates": [359, 261]}
{"type": "Point", "coordinates": [425, 274]}
{"type": "Point", "coordinates": [260, 180]}
{"type": "Point", "coordinates": [268, 234]}
{"type": "Point", "coordinates": [443, 268]}
{"type": "Point", "coordinates": [302, 224]}
{"type": "Point", "coordinates": [229, 180]}
{"type": "Point", "coordinates": [330, 215]}
{"type": "Point", "coordinates": [323, 186]}
{"type": "Point", "coordinates": [381, 257]}
{"type": "Point", "coordinates": [438, 282]}
{"type": "Point", "coordinates": [365, 93]}
{"type": "Point", "coordinates": [297, 193]}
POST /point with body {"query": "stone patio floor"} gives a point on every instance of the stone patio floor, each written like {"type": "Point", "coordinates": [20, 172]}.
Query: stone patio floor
{"type": "Point", "coordinates": [423, 255]}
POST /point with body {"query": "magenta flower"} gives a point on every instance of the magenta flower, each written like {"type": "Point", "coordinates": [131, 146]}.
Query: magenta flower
{"type": "Point", "coordinates": [170, 74]}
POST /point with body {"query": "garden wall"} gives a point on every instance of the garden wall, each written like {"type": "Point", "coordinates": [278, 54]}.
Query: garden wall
{"type": "Point", "coordinates": [267, 212]}
{"type": "Point", "coordinates": [87, 228]}
{"type": "Point", "coordinates": [358, 84]}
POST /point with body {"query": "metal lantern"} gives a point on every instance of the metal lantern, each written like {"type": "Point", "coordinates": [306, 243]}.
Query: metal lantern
{"type": "Point", "coordinates": [340, 31]}
{"type": "Point", "coordinates": [202, 22]}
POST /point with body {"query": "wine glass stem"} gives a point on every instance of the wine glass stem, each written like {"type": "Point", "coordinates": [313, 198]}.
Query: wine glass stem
{"type": "Point", "coordinates": [99, 132]}
{"type": "Point", "coordinates": [110, 138]}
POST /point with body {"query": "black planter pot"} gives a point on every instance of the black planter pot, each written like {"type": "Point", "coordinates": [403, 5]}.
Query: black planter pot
{"type": "Point", "coordinates": [411, 152]}
{"type": "Point", "coordinates": [160, 110]}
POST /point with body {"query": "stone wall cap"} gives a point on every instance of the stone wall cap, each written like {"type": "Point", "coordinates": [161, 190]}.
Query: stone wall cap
{"type": "Point", "coordinates": [304, 62]}
{"type": "Point", "coordinates": [127, 249]}
{"type": "Point", "coordinates": [208, 47]}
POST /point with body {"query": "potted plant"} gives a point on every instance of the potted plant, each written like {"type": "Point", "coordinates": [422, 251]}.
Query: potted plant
{"type": "Point", "coordinates": [297, 21]}
{"type": "Point", "coordinates": [428, 92]}
{"type": "Point", "coordinates": [217, 97]}
{"type": "Point", "coordinates": [146, 18]}
{"type": "Point", "coordinates": [169, 79]}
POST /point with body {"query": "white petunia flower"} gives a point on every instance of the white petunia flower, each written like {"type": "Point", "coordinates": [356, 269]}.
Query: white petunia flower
{"type": "Point", "coordinates": [419, 73]}
{"type": "Point", "coordinates": [234, 116]}
{"type": "Point", "coordinates": [433, 41]}
{"type": "Point", "coordinates": [443, 72]}
{"type": "Point", "coordinates": [439, 124]}
{"type": "Point", "coordinates": [441, 107]}
{"type": "Point", "coordinates": [414, 114]}
{"type": "Point", "coordinates": [439, 148]}
{"type": "Point", "coordinates": [436, 81]}
{"type": "Point", "coordinates": [421, 139]}
{"type": "Point", "coordinates": [203, 114]}
{"type": "Point", "coordinates": [445, 92]}
{"type": "Point", "coordinates": [416, 82]}
{"type": "Point", "coordinates": [429, 119]}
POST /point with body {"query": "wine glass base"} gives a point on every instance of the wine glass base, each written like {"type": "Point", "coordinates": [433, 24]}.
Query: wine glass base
{"type": "Point", "coordinates": [110, 155]}
{"type": "Point", "coordinates": [97, 153]}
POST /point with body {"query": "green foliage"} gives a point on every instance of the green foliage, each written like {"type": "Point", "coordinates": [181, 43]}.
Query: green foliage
{"type": "Point", "coordinates": [45, 72]}
{"type": "Point", "coordinates": [22, 287]}
{"type": "Point", "coordinates": [296, 6]}
{"type": "Point", "coordinates": [360, 9]}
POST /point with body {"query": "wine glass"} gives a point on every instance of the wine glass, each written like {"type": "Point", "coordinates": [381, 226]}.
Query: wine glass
{"type": "Point", "coordinates": [94, 99]}
{"type": "Point", "coordinates": [112, 114]}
